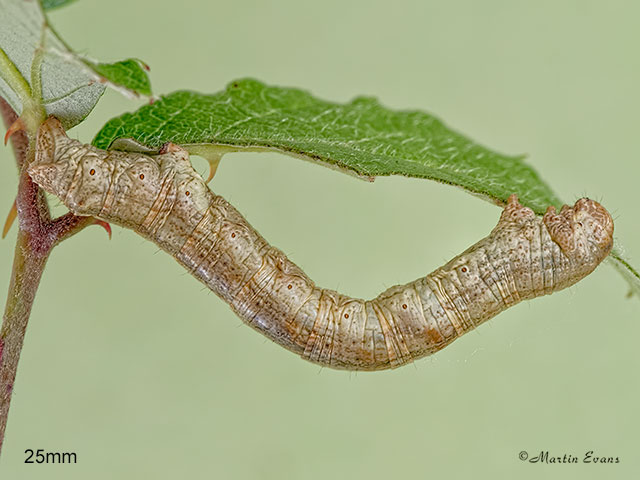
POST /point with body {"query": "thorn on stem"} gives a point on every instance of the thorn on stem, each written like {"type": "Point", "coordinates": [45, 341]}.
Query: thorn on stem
{"type": "Point", "coordinates": [13, 213]}
{"type": "Point", "coordinates": [16, 126]}
{"type": "Point", "coordinates": [104, 225]}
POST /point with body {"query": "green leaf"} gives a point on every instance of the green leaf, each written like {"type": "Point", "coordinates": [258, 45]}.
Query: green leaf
{"type": "Point", "coordinates": [51, 4]}
{"type": "Point", "coordinates": [67, 88]}
{"type": "Point", "coordinates": [71, 86]}
{"type": "Point", "coordinates": [361, 137]}
{"type": "Point", "coordinates": [130, 73]}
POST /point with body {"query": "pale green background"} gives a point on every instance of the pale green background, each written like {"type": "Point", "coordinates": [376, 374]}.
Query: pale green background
{"type": "Point", "coordinates": [130, 363]}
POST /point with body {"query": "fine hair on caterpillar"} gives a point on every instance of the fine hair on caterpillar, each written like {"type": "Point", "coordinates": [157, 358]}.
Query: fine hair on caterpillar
{"type": "Point", "coordinates": [164, 199]}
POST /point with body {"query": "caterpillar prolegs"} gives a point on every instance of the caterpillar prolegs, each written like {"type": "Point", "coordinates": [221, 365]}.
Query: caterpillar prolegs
{"type": "Point", "coordinates": [165, 200]}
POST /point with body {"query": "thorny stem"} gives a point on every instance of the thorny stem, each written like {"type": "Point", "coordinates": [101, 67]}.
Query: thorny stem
{"type": "Point", "coordinates": [37, 235]}
{"type": "Point", "coordinates": [25, 277]}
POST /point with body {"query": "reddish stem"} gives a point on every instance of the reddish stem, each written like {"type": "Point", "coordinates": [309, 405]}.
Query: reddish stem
{"type": "Point", "coordinates": [25, 277]}
{"type": "Point", "coordinates": [37, 235]}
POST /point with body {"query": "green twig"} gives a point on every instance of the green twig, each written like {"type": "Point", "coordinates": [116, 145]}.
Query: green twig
{"type": "Point", "coordinates": [10, 74]}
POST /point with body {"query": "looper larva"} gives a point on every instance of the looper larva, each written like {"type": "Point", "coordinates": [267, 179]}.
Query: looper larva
{"type": "Point", "coordinates": [163, 199]}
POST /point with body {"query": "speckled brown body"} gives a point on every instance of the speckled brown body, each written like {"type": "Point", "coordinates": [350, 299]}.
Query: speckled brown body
{"type": "Point", "coordinates": [164, 199]}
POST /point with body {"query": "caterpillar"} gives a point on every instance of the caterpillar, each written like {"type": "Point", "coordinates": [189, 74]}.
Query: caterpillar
{"type": "Point", "coordinates": [165, 200]}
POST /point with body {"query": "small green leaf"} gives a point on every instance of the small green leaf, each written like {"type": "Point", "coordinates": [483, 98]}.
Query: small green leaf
{"type": "Point", "coordinates": [362, 137]}
{"type": "Point", "coordinates": [51, 4]}
{"type": "Point", "coordinates": [129, 73]}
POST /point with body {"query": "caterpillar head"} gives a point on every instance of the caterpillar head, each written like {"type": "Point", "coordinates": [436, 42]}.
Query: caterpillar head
{"type": "Point", "coordinates": [584, 232]}
{"type": "Point", "coordinates": [578, 239]}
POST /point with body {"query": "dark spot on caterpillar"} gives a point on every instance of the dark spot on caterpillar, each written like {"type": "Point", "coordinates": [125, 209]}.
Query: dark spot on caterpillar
{"type": "Point", "coordinates": [404, 306]}
{"type": "Point", "coordinates": [92, 171]}
{"type": "Point", "coordinates": [346, 315]}
{"type": "Point", "coordinates": [289, 286]}
{"type": "Point", "coordinates": [233, 235]}
{"type": "Point", "coordinates": [464, 269]}
{"type": "Point", "coordinates": [142, 176]}
{"type": "Point", "coordinates": [187, 193]}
